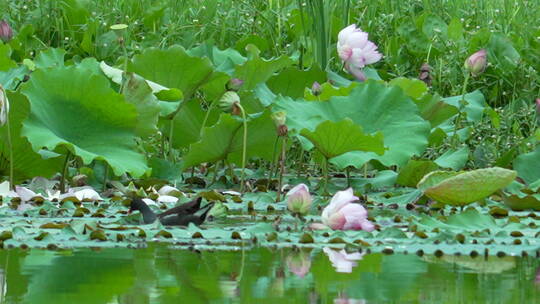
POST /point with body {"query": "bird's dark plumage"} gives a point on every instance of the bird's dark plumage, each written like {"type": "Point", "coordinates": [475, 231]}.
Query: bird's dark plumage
{"type": "Point", "coordinates": [187, 208]}
{"type": "Point", "coordinates": [178, 216]}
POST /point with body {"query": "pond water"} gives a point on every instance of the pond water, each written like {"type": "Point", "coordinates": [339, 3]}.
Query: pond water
{"type": "Point", "coordinates": [161, 274]}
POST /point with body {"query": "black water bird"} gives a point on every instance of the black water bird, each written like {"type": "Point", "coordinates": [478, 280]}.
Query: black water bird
{"type": "Point", "coordinates": [182, 215]}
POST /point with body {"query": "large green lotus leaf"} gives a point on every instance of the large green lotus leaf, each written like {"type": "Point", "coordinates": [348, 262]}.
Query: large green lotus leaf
{"type": "Point", "coordinates": [223, 60]}
{"type": "Point", "coordinates": [522, 201]}
{"type": "Point", "coordinates": [528, 166]}
{"type": "Point", "coordinates": [374, 106]}
{"type": "Point", "coordinates": [335, 138]}
{"type": "Point", "coordinates": [116, 76]}
{"type": "Point", "coordinates": [11, 78]}
{"type": "Point", "coordinates": [475, 104]}
{"type": "Point", "coordinates": [173, 68]}
{"type": "Point", "coordinates": [454, 159]}
{"type": "Point", "coordinates": [461, 188]}
{"type": "Point", "coordinates": [292, 81]}
{"type": "Point", "coordinates": [26, 162]}
{"type": "Point", "coordinates": [50, 58]}
{"type": "Point", "coordinates": [139, 93]}
{"type": "Point", "coordinates": [412, 173]}
{"type": "Point", "coordinates": [257, 70]}
{"type": "Point", "coordinates": [432, 108]}
{"type": "Point", "coordinates": [188, 123]}
{"type": "Point", "coordinates": [502, 53]}
{"type": "Point", "coordinates": [5, 58]}
{"type": "Point", "coordinates": [223, 141]}
{"type": "Point", "coordinates": [328, 91]}
{"type": "Point", "coordinates": [72, 109]}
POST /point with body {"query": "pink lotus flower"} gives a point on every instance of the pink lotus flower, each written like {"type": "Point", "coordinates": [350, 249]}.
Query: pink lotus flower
{"type": "Point", "coordinates": [356, 50]}
{"type": "Point", "coordinates": [477, 62]}
{"type": "Point", "coordinates": [343, 214]}
{"type": "Point", "coordinates": [299, 200]}
{"type": "Point", "coordinates": [341, 260]}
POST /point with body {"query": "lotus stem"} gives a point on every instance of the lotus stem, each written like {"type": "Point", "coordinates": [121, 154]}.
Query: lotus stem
{"type": "Point", "coordinates": [216, 171]}
{"type": "Point", "coordinates": [171, 134]}
{"type": "Point", "coordinates": [272, 164]}
{"type": "Point", "coordinates": [64, 173]}
{"type": "Point", "coordinates": [10, 147]}
{"type": "Point", "coordinates": [210, 108]}
{"type": "Point", "coordinates": [348, 172]}
{"type": "Point", "coordinates": [282, 168]}
{"type": "Point", "coordinates": [105, 176]}
{"type": "Point", "coordinates": [457, 125]}
{"type": "Point", "coordinates": [244, 148]}
{"type": "Point", "coordinates": [326, 177]}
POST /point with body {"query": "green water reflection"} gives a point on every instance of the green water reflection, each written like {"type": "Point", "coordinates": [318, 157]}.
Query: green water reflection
{"type": "Point", "coordinates": [162, 275]}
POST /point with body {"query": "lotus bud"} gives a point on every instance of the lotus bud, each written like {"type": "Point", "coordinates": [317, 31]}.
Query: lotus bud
{"type": "Point", "coordinates": [299, 263]}
{"type": "Point", "coordinates": [538, 108]}
{"type": "Point", "coordinates": [477, 62]}
{"type": "Point", "coordinates": [234, 84]}
{"type": "Point", "coordinates": [425, 75]}
{"type": "Point", "coordinates": [279, 119]}
{"type": "Point", "coordinates": [299, 200]}
{"type": "Point", "coordinates": [316, 89]}
{"type": "Point", "coordinates": [229, 102]}
{"type": "Point", "coordinates": [4, 106]}
{"type": "Point", "coordinates": [6, 33]}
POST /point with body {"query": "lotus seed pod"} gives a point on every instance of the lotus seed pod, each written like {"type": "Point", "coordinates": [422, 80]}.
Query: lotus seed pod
{"type": "Point", "coordinates": [279, 119]}
{"type": "Point", "coordinates": [228, 101]}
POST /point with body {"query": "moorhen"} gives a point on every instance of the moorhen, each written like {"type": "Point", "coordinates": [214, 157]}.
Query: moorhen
{"type": "Point", "coordinates": [177, 216]}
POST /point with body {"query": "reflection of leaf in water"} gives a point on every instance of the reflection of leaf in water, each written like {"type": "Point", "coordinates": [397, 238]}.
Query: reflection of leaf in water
{"type": "Point", "coordinates": [478, 264]}
{"type": "Point", "coordinates": [83, 277]}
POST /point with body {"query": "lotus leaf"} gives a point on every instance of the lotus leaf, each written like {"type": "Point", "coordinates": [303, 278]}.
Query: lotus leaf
{"type": "Point", "coordinates": [72, 110]}
{"type": "Point", "coordinates": [335, 138]}
{"type": "Point", "coordinates": [462, 188]}
{"type": "Point", "coordinates": [373, 106]}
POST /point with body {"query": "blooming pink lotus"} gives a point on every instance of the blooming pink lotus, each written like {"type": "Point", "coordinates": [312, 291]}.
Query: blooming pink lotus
{"type": "Point", "coordinates": [477, 62]}
{"type": "Point", "coordinates": [343, 214]}
{"type": "Point", "coordinates": [356, 50]}
{"type": "Point", "coordinates": [299, 200]}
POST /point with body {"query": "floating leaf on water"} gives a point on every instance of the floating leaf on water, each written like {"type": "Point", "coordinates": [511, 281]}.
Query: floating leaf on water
{"type": "Point", "coordinates": [98, 235]}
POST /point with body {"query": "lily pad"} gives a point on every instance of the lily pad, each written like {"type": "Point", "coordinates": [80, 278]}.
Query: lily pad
{"type": "Point", "coordinates": [461, 188]}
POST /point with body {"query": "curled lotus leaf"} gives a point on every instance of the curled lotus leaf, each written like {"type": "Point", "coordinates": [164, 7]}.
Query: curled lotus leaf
{"type": "Point", "coordinates": [462, 188]}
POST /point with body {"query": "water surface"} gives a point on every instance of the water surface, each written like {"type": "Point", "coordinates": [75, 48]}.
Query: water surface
{"type": "Point", "coordinates": [161, 274]}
